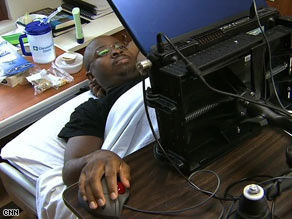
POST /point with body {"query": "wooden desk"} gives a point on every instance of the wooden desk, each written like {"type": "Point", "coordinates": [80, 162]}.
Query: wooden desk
{"type": "Point", "coordinates": [20, 107]}
{"type": "Point", "coordinates": [157, 187]}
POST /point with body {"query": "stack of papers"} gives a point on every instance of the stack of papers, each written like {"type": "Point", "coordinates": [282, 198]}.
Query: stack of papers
{"type": "Point", "coordinates": [90, 9]}
{"type": "Point", "coordinates": [102, 6]}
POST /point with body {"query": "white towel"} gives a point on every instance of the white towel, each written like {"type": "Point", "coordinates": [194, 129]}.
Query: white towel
{"type": "Point", "coordinates": [127, 128]}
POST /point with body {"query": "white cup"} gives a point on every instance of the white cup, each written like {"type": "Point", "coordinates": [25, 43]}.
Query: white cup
{"type": "Point", "coordinates": [41, 42]}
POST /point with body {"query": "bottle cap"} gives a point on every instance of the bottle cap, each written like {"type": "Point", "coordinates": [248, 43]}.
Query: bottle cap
{"type": "Point", "coordinates": [37, 28]}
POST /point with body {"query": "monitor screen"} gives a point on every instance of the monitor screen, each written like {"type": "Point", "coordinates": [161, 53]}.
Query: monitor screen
{"type": "Point", "coordinates": [145, 18]}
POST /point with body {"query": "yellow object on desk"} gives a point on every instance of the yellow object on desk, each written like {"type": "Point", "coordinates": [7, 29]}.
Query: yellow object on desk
{"type": "Point", "coordinates": [14, 80]}
{"type": "Point", "coordinates": [27, 19]}
{"type": "Point", "coordinates": [44, 79]}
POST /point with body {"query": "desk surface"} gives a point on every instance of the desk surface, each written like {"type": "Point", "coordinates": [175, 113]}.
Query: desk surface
{"type": "Point", "coordinates": [20, 102]}
{"type": "Point", "coordinates": [157, 187]}
{"type": "Point", "coordinates": [19, 107]}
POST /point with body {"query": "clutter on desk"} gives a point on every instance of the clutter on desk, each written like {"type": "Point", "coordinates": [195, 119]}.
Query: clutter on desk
{"type": "Point", "coordinates": [78, 28]}
{"type": "Point", "coordinates": [26, 19]}
{"type": "Point", "coordinates": [62, 22]}
{"type": "Point", "coordinates": [11, 64]}
{"type": "Point", "coordinates": [89, 10]}
{"type": "Point", "coordinates": [70, 62]}
{"type": "Point", "coordinates": [12, 81]}
{"type": "Point", "coordinates": [52, 15]}
{"type": "Point", "coordinates": [43, 79]}
{"type": "Point", "coordinates": [41, 42]}
{"type": "Point", "coordinates": [13, 39]}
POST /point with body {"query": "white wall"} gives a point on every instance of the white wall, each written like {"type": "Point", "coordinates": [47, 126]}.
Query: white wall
{"type": "Point", "coordinates": [17, 8]}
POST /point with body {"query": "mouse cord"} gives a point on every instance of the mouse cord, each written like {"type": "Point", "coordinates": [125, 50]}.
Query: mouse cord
{"type": "Point", "coordinates": [188, 179]}
{"type": "Point", "coordinates": [194, 186]}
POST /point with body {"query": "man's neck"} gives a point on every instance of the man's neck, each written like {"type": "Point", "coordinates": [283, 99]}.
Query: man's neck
{"type": "Point", "coordinates": [133, 80]}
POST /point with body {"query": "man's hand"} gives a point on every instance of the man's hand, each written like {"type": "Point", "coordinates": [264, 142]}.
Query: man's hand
{"type": "Point", "coordinates": [98, 164]}
{"type": "Point", "coordinates": [96, 89]}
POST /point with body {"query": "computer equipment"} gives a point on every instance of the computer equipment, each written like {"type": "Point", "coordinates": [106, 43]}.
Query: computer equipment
{"type": "Point", "coordinates": [175, 18]}
{"type": "Point", "coordinates": [224, 41]}
{"type": "Point", "coordinates": [112, 208]}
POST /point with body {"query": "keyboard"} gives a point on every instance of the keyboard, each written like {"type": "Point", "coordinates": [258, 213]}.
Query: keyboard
{"type": "Point", "coordinates": [217, 53]}
{"type": "Point", "coordinates": [222, 52]}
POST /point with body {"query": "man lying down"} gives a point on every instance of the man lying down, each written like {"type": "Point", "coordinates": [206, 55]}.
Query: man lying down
{"type": "Point", "coordinates": [111, 67]}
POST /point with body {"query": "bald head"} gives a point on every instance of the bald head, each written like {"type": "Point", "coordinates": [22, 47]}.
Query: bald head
{"type": "Point", "coordinates": [114, 67]}
{"type": "Point", "coordinates": [91, 48]}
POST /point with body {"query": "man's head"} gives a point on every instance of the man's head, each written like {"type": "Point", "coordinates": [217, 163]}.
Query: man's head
{"type": "Point", "coordinates": [109, 61]}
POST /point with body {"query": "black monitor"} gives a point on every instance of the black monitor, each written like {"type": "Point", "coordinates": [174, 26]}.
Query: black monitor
{"type": "Point", "coordinates": [198, 124]}
{"type": "Point", "coordinates": [145, 18]}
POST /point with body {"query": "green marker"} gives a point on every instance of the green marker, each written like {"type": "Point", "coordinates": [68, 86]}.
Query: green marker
{"type": "Point", "coordinates": [79, 32]}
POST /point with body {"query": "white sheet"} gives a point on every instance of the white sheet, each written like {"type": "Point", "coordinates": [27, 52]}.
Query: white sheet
{"type": "Point", "coordinates": [127, 128]}
{"type": "Point", "coordinates": [41, 158]}
{"type": "Point", "coordinates": [38, 149]}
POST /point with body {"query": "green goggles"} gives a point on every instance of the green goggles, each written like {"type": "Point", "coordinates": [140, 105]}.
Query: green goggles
{"type": "Point", "coordinates": [108, 50]}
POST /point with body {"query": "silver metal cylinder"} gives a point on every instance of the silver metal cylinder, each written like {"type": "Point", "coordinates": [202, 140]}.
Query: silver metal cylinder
{"type": "Point", "coordinates": [144, 66]}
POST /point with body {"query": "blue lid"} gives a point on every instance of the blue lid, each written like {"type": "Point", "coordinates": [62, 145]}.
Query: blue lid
{"type": "Point", "coordinates": [37, 28]}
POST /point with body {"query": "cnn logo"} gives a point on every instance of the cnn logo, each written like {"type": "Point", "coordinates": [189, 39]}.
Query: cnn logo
{"type": "Point", "coordinates": [11, 212]}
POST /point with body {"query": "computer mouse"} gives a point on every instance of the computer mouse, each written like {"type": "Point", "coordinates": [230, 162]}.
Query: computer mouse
{"type": "Point", "coordinates": [112, 208]}
{"type": "Point", "coordinates": [289, 155]}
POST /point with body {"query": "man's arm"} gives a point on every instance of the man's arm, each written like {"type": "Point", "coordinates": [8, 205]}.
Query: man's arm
{"type": "Point", "coordinates": [86, 163]}
{"type": "Point", "coordinates": [75, 156]}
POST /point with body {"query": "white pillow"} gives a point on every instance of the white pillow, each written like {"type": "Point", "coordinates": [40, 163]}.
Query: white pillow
{"type": "Point", "coordinates": [38, 149]}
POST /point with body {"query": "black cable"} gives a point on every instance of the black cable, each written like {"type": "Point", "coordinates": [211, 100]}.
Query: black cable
{"type": "Point", "coordinates": [230, 212]}
{"type": "Point", "coordinates": [154, 134]}
{"type": "Point", "coordinates": [212, 194]}
{"type": "Point", "coordinates": [284, 53]}
{"type": "Point", "coordinates": [169, 212]}
{"type": "Point", "coordinates": [193, 69]}
{"type": "Point", "coordinates": [273, 209]}
{"type": "Point", "coordinates": [197, 73]}
{"type": "Point", "coordinates": [222, 211]}
{"type": "Point", "coordinates": [202, 190]}
{"type": "Point", "coordinates": [269, 56]}
{"type": "Point", "coordinates": [233, 212]}
{"type": "Point", "coordinates": [276, 178]}
{"type": "Point", "coordinates": [178, 170]}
